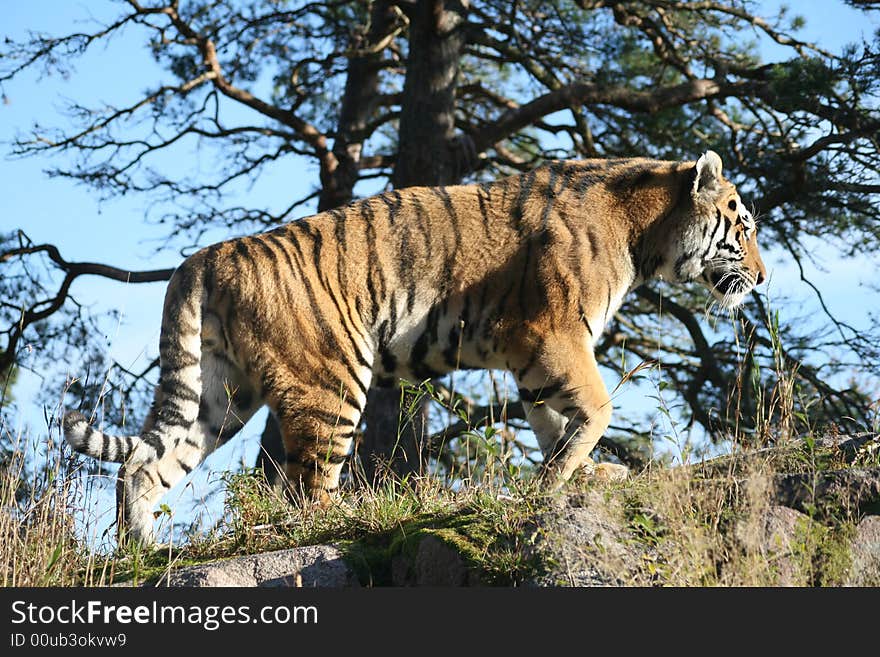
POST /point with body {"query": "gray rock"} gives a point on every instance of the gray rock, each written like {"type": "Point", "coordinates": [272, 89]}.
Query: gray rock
{"type": "Point", "coordinates": [850, 445]}
{"type": "Point", "coordinates": [865, 551]}
{"type": "Point", "coordinates": [310, 566]}
{"type": "Point", "coordinates": [829, 492]}
{"type": "Point", "coordinates": [584, 542]}
{"type": "Point", "coordinates": [436, 563]}
{"type": "Point", "coordinates": [777, 538]}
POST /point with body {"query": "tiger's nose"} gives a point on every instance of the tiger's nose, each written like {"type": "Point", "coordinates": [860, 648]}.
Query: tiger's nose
{"type": "Point", "coordinates": [760, 277]}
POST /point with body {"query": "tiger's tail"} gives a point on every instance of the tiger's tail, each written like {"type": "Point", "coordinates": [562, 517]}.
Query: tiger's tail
{"type": "Point", "coordinates": [176, 405]}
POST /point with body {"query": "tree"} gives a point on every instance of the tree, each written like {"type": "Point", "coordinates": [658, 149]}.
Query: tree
{"type": "Point", "coordinates": [402, 92]}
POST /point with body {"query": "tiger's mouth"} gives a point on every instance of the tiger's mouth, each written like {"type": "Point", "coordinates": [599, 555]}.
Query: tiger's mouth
{"type": "Point", "coordinates": [729, 286]}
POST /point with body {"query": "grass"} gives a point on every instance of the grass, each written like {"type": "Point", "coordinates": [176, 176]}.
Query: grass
{"type": "Point", "coordinates": [719, 525]}
{"type": "Point", "coordinates": [703, 525]}
{"type": "Point", "coordinates": [716, 523]}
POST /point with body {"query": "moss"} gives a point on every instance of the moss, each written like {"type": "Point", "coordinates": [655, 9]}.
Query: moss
{"type": "Point", "coordinates": [487, 543]}
{"type": "Point", "coordinates": [822, 552]}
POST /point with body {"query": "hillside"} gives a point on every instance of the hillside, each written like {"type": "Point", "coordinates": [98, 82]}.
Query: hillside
{"type": "Point", "coordinates": [800, 515]}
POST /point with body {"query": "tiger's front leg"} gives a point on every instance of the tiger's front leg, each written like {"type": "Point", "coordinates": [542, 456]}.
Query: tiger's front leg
{"type": "Point", "coordinates": [568, 407]}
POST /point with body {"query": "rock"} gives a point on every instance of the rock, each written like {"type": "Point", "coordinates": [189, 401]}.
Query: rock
{"type": "Point", "coordinates": [584, 542]}
{"type": "Point", "coordinates": [850, 446]}
{"type": "Point", "coordinates": [436, 563]}
{"type": "Point", "coordinates": [778, 538]}
{"type": "Point", "coordinates": [865, 551]}
{"type": "Point", "coordinates": [829, 492]}
{"type": "Point", "coordinates": [311, 566]}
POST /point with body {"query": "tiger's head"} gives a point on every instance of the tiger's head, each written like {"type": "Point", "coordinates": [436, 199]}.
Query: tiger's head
{"type": "Point", "coordinates": [721, 241]}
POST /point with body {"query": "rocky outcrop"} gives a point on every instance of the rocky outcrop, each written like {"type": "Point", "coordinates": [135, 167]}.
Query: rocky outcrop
{"type": "Point", "coordinates": [830, 492]}
{"type": "Point", "coordinates": [776, 539]}
{"type": "Point", "coordinates": [583, 541]}
{"type": "Point", "coordinates": [436, 563]}
{"type": "Point", "coordinates": [791, 524]}
{"type": "Point", "coordinates": [865, 551]}
{"type": "Point", "coordinates": [310, 566]}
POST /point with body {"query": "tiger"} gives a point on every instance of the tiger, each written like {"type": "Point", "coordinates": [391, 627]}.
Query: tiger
{"type": "Point", "coordinates": [520, 274]}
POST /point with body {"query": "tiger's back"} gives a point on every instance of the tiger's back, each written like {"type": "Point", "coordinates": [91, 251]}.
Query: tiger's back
{"type": "Point", "coordinates": [520, 274]}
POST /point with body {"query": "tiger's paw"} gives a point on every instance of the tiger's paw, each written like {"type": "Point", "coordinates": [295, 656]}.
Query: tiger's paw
{"type": "Point", "coordinates": [610, 472]}
{"type": "Point", "coordinates": [605, 472]}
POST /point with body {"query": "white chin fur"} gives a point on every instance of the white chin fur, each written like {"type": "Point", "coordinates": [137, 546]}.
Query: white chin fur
{"type": "Point", "coordinates": [730, 300]}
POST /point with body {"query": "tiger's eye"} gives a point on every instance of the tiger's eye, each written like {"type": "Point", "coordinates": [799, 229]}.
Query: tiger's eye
{"type": "Point", "coordinates": [732, 205]}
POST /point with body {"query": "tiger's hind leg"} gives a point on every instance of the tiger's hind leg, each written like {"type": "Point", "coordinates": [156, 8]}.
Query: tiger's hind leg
{"type": "Point", "coordinates": [569, 409]}
{"type": "Point", "coordinates": [227, 402]}
{"type": "Point", "coordinates": [318, 424]}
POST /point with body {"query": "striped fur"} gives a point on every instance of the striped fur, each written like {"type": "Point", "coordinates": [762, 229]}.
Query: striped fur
{"type": "Point", "coordinates": [520, 274]}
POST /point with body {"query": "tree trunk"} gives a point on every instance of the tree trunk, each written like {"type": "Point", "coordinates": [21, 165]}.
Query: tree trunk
{"type": "Point", "coordinates": [425, 156]}
{"type": "Point", "coordinates": [428, 148]}
{"type": "Point", "coordinates": [338, 181]}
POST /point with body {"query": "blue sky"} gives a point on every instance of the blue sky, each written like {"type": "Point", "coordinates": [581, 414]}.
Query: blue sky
{"type": "Point", "coordinates": [70, 216]}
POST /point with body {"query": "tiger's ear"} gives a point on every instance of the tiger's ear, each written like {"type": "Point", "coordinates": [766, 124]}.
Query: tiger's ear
{"type": "Point", "coordinates": [708, 176]}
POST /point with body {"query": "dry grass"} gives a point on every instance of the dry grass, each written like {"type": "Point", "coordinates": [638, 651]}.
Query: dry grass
{"type": "Point", "coordinates": [695, 525]}
{"type": "Point", "coordinates": [712, 525]}
{"type": "Point", "coordinates": [720, 524]}
{"type": "Point", "coordinates": [37, 542]}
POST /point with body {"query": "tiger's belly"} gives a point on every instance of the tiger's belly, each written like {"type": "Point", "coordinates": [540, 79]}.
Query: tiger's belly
{"type": "Point", "coordinates": [445, 337]}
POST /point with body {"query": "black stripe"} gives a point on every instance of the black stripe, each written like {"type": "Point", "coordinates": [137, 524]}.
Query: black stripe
{"type": "Point", "coordinates": [177, 390]}
{"type": "Point", "coordinates": [87, 438]}
{"type": "Point", "coordinates": [154, 441]}
{"type": "Point", "coordinates": [405, 267]}
{"type": "Point", "coordinates": [317, 245]}
{"type": "Point", "coordinates": [309, 463]}
{"type": "Point", "coordinates": [594, 242]}
{"type": "Point", "coordinates": [349, 332]}
{"type": "Point", "coordinates": [453, 216]}
{"type": "Point", "coordinates": [584, 319]}
{"type": "Point", "coordinates": [325, 328]}
{"type": "Point", "coordinates": [340, 235]}
{"type": "Point", "coordinates": [421, 216]}
{"type": "Point", "coordinates": [270, 255]}
{"type": "Point", "coordinates": [452, 353]}
{"type": "Point", "coordinates": [341, 393]}
{"type": "Point", "coordinates": [680, 262]}
{"type": "Point", "coordinates": [184, 466]}
{"type": "Point", "coordinates": [544, 393]}
{"type": "Point", "coordinates": [420, 348]}
{"type": "Point", "coordinates": [711, 235]}
{"type": "Point", "coordinates": [279, 244]}
{"type": "Point", "coordinates": [242, 253]}
{"type": "Point", "coordinates": [550, 195]}
{"type": "Point", "coordinates": [374, 264]}
{"type": "Point", "coordinates": [374, 300]}
{"type": "Point", "coordinates": [525, 277]}
{"type": "Point", "coordinates": [393, 202]}
{"type": "Point", "coordinates": [533, 358]}
{"type": "Point", "coordinates": [526, 182]}
{"type": "Point", "coordinates": [328, 418]}
{"type": "Point", "coordinates": [608, 303]}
